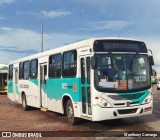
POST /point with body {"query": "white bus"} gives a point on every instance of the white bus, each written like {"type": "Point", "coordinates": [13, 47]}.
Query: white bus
{"type": "Point", "coordinates": [3, 78]}
{"type": "Point", "coordinates": [95, 79]}
{"type": "Point", "coordinates": [154, 77]}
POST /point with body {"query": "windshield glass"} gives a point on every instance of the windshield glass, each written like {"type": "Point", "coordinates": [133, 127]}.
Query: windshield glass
{"type": "Point", "coordinates": [121, 72]}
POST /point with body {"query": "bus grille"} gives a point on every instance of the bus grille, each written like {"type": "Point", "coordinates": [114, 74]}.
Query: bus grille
{"type": "Point", "coordinates": [127, 96]}
{"type": "Point", "coordinates": [127, 111]}
{"type": "Point", "coordinates": [131, 103]}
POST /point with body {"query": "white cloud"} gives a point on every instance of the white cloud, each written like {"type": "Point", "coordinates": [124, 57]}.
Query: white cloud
{"type": "Point", "coordinates": [6, 1]}
{"type": "Point", "coordinates": [55, 14]}
{"type": "Point", "coordinates": [13, 42]}
{"type": "Point", "coordinates": [2, 18]}
{"type": "Point", "coordinates": [115, 25]}
{"type": "Point", "coordinates": [153, 44]}
{"type": "Point", "coordinates": [20, 13]}
{"type": "Point", "coordinates": [18, 37]}
{"type": "Point", "coordinates": [47, 14]}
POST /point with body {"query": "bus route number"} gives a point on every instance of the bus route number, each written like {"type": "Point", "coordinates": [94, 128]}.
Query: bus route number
{"type": "Point", "coordinates": [140, 78]}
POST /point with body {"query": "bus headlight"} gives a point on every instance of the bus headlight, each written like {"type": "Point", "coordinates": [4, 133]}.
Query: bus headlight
{"type": "Point", "coordinates": [103, 103]}
{"type": "Point", "coordinates": [148, 99]}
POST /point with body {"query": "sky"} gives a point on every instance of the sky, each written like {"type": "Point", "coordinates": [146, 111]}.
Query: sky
{"type": "Point", "coordinates": [68, 21]}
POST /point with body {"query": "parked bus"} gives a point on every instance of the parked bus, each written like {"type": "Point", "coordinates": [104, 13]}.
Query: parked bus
{"type": "Point", "coordinates": [95, 79]}
{"type": "Point", "coordinates": [154, 77]}
{"type": "Point", "coordinates": [3, 78]}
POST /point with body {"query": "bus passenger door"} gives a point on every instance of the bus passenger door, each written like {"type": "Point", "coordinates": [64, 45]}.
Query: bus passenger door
{"type": "Point", "coordinates": [15, 87]}
{"type": "Point", "coordinates": [43, 86]}
{"type": "Point", "coordinates": [85, 86]}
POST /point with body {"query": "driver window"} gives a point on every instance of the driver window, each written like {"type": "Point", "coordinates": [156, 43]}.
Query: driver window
{"type": "Point", "coordinates": [138, 65]}
{"type": "Point", "coordinates": [105, 69]}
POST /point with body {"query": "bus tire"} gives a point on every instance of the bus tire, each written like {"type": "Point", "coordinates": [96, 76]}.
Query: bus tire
{"type": "Point", "coordinates": [70, 113]}
{"type": "Point", "coordinates": [24, 103]}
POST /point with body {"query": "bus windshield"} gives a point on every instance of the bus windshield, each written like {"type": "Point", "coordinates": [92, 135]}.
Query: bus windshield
{"type": "Point", "coordinates": [115, 72]}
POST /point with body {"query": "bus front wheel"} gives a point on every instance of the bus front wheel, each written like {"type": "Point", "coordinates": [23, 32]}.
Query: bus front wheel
{"type": "Point", "coordinates": [24, 103]}
{"type": "Point", "coordinates": [70, 113]}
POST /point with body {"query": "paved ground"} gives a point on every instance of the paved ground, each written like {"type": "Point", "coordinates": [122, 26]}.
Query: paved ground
{"type": "Point", "coordinates": [13, 118]}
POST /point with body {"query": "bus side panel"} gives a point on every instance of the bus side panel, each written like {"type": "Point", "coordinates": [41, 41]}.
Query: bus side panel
{"type": "Point", "coordinates": [30, 88]}
{"type": "Point", "coordinates": [10, 90]}
{"type": "Point", "coordinates": [56, 88]}
{"type": "Point", "coordinates": [10, 86]}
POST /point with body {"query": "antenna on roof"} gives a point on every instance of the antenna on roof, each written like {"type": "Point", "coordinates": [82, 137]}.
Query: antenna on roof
{"type": "Point", "coordinates": [42, 28]}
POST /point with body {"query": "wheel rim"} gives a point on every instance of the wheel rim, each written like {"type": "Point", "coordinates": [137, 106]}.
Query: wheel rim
{"type": "Point", "coordinates": [70, 112]}
{"type": "Point", "coordinates": [23, 102]}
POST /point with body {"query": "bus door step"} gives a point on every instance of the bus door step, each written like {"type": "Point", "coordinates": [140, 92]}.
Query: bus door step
{"type": "Point", "coordinates": [43, 109]}
{"type": "Point", "coordinates": [86, 117]}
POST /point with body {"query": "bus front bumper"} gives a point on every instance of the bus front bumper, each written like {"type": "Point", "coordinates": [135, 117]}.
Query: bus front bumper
{"type": "Point", "coordinates": [100, 113]}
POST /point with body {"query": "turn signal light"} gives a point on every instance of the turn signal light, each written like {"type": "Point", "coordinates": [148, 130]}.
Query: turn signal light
{"type": "Point", "coordinates": [148, 109]}
{"type": "Point", "coordinates": [74, 87]}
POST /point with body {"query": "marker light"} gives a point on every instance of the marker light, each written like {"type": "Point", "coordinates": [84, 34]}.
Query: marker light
{"type": "Point", "coordinates": [103, 103]}
{"type": "Point", "coordinates": [148, 99]}
{"type": "Point", "coordinates": [147, 109]}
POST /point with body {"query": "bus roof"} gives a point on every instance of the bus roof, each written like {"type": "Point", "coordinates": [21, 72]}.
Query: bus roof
{"type": "Point", "coordinates": [76, 45]}
{"type": "Point", "coordinates": [3, 68]}
{"type": "Point", "coordinates": [3, 65]}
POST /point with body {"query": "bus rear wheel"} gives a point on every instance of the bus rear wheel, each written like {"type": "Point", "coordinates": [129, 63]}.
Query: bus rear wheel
{"type": "Point", "coordinates": [24, 103]}
{"type": "Point", "coordinates": [70, 113]}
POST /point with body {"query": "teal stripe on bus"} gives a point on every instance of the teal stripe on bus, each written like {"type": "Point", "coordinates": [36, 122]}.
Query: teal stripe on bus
{"type": "Point", "coordinates": [35, 81]}
{"type": "Point", "coordinates": [135, 96]}
{"type": "Point", "coordinates": [10, 86]}
{"type": "Point", "coordinates": [56, 88]}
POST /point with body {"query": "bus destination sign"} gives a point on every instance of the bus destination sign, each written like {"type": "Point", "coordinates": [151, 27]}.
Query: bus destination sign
{"type": "Point", "coordinates": [119, 46]}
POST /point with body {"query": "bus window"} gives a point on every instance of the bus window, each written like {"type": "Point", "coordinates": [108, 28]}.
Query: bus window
{"type": "Point", "coordinates": [55, 64]}
{"type": "Point", "coordinates": [88, 69]}
{"type": "Point", "coordinates": [10, 77]}
{"type": "Point", "coordinates": [34, 68]}
{"type": "Point", "coordinates": [21, 70]}
{"type": "Point", "coordinates": [82, 71]}
{"type": "Point", "coordinates": [70, 64]}
{"type": "Point", "coordinates": [26, 70]}
{"type": "Point", "coordinates": [16, 76]}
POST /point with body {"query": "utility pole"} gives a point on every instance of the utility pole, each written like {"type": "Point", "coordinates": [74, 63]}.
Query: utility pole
{"type": "Point", "coordinates": [42, 28]}
{"type": "Point", "coordinates": [41, 38]}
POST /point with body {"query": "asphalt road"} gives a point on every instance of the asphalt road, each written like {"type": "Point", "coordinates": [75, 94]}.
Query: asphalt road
{"type": "Point", "coordinates": [156, 101]}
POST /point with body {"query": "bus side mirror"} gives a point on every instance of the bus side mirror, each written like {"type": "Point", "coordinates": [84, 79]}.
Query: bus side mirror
{"type": "Point", "coordinates": [153, 73]}
{"type": "Point", "coordinates": [93, 62]}
{"type": "Point", "coordinates": [151, 60]}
